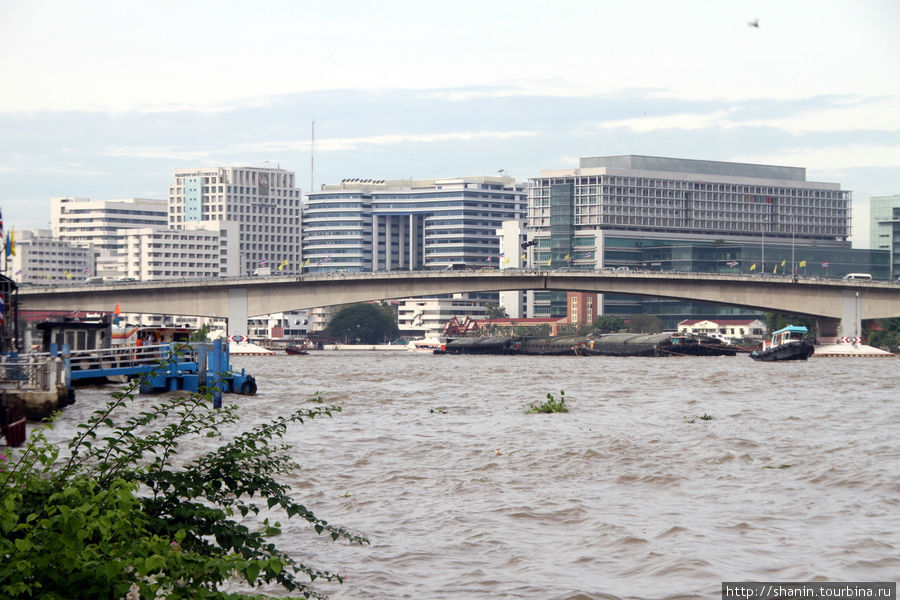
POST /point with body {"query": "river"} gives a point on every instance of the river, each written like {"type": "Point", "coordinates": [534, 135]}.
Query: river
{"type": "Point", "coordinates": [631, 494]}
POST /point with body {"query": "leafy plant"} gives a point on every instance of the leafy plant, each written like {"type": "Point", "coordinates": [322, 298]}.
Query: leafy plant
{"type": "Point", "coordinates": [121, 517]}
{"type": "Point", "coordinates": [703, 417]}
{"type": "Point", "coordinates": [552, 405]}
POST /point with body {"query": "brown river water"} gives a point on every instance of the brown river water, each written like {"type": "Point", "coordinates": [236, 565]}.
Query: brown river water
{"type": "Point", "coordinates": [796, 477]}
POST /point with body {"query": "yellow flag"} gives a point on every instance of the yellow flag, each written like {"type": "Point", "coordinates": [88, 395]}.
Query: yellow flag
{"type": "Point", "coordinates": [549, 262]}
{"type": "Point", "coordinates": [566, 257]}
{"type": "Point", "coordinates": [283, 264]}
{"type": "Point", "coordinates": [306, 263]}
{"type": "Point", "coordinates": [753, 267]}
{"type": "Point", "coordinates": [782, 262]}
{"type": "Point", "coordinates": [523, 257]}
{"type": "Point", "coordinates": [775, 270]}
{"type": "Point", "coordinates": [802, 263]}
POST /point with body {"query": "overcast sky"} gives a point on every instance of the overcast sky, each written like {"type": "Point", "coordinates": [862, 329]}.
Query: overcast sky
{"type": "Point", "coordinates": [106, 99]}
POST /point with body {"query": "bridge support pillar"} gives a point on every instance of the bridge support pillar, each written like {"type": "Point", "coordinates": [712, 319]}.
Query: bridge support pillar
{"type": "Point", "coordinates": [828, 330]}
{"type": "Point", "coordinates": [849, 325]}
{"type": "Point", "coordinates": [237, 312]}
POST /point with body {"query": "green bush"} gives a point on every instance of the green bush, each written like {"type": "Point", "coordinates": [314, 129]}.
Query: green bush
{"type": "Point", "coordinates": [118, 518]}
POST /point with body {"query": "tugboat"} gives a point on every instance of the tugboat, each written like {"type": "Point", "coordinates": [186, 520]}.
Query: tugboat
{"type": "Point", "coordinates": [295, 349]}
{"type": "Point", "coordinates": [787, 343]}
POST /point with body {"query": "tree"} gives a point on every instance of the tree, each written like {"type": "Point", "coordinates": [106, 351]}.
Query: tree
{"type": "Point", "coordinates": [492, 310]}
{"type": "Point", "coordinates": [364, 323]}
{"type": "Point", "coordinates": [608, 324]}
{"type": "Point", "coordinates": [776, 321]}
{"type": "Point", "coordinates": [644, 324]}
{"type": "Point", "coordinates": [120, 517]}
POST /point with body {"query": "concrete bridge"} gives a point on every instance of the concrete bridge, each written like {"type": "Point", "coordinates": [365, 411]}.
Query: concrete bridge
{"type": "Point", "coordinates": [838, 306]}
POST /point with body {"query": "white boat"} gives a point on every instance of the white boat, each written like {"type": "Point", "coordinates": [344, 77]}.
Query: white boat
{"type": "Point", "coordinates": [425, 346]}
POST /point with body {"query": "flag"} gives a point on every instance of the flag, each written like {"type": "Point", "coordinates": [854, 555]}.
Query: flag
{"type": "Point", "coordinates": [11, 243]}
{"type": "Point", "coordinates": [323, 260]}
{"type": "Point", "coordinates": [549, 262]}
{"type": "Point", "coordinates": [587, 254]}
{"type": "Point", "coordinates": [523, 257]}
{"type": "Point", "coordinates": [306, 263]}
{"type": "Point", "coordinates": [775, 270]}
{"type": "Point", "coordinates": [117, 310]}
{"type": "Point", "coordinates": [566, 257]}
{"type": "Point", "coordinates": [782, 262]}
{"type": "Point", "coordinates": [68, 275]}
{"type": "Point", "coordinates": [1, 223]}
{"type": "Point", "coordinates": [733, 263]}
{"type": "Point", "coordinates": [502, 254]}
{"type": "Point", "coordinates": [488, 259]}
{"type": "Point", "coordinates": [283, 264]}
{"type": "Point", "coordinates": [802, 263]}
{"type": "Point", "coordinates": [262, 262]}
{"type": "Point", "coordinates": [825, 265]}
{"type": "Point", "coordinates": [753, 267]}
{"type": "Point", "coordinates": [505, 261]}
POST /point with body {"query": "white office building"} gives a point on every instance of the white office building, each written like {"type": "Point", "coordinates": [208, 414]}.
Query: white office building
{"type": "Point", "coordinates": [86, 222]}
{"type": "Point", "coordinates": [380, 225]}
{"type": "Point", "coordinates": [262, 202]}
{"type": "Point", "coordinates": [83, 221]}
{"type": "Point", "coordinates": [198, 250]}
{"type": "Point", "coordinates": [41, 259]}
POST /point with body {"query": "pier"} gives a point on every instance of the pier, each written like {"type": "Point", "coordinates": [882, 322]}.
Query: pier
{"type": "Point", "coordinates": [33, 386]}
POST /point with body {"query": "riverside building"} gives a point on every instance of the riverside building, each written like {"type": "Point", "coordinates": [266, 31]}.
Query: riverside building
{"type": "Point", "coordinates": [380, 225]}
{"type": "Point", "coordinates": [658, 213]}
{"type": "Point", "coordinates": [263, 202]}
{"type": "Point", "coordinates": [42, 259]}
{"type": "Point", "coordinates": [884, 228]}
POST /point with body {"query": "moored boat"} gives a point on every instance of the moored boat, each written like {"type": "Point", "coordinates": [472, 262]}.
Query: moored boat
{"type": "Point", "coordinates": [295, 349]}
{"type": "Point", "coordinates": [426, 346]}
{"type": "Point", "coordinates": [788, 343]}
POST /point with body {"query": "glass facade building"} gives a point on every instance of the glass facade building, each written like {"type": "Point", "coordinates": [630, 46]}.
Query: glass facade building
{"type": "Point", "coordinates": [884, 229]}
{"type": "Point", "coordinates": [379, 225]}
{"type": "Point", "coordinates": [657, 213]}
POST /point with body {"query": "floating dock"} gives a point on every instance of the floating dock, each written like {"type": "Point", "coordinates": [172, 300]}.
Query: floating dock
{"type": "Point", "coordinates": [44, 382]}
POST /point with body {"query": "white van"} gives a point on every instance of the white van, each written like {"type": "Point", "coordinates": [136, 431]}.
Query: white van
{"type": "Point", "coordinates": [857, 277]}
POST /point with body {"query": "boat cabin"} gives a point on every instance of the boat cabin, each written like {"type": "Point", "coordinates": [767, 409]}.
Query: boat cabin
{"type": "Point", "coordinates": [150, 336]}
{"type": "Point", "coordinates": [786, 334]}
{"type": "Point", "coordinates": [78, 335]}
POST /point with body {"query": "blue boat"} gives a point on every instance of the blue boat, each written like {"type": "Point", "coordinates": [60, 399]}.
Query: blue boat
{"type": "Point", "coordinates": [788, 343]}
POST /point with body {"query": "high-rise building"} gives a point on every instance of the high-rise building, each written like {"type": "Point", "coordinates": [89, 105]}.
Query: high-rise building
{"type": "Point", "coordinates": [198, 250]}
{"type": "Point", "coordinates": [374, 225]}
{"type": "Point", "coordinates": [884, 228]}
{"type": "Point", "coordinates": [657, 213]}
{"type": "Point", "coordinates": [262, 201]}
{"type": "Point", "coordinates": [83, 221]}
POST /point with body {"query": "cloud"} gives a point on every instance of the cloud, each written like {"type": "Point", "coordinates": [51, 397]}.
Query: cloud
{"type": "Point", "coordinates": [834, 159]}
{"type": "Point", "coordinates": [335, 144]}
{"type": "Point", "coordinates": [811, 115]}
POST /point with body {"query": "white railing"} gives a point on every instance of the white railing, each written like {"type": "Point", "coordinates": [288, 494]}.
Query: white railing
{"type": "Point", "coordinates": [32, 372]}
